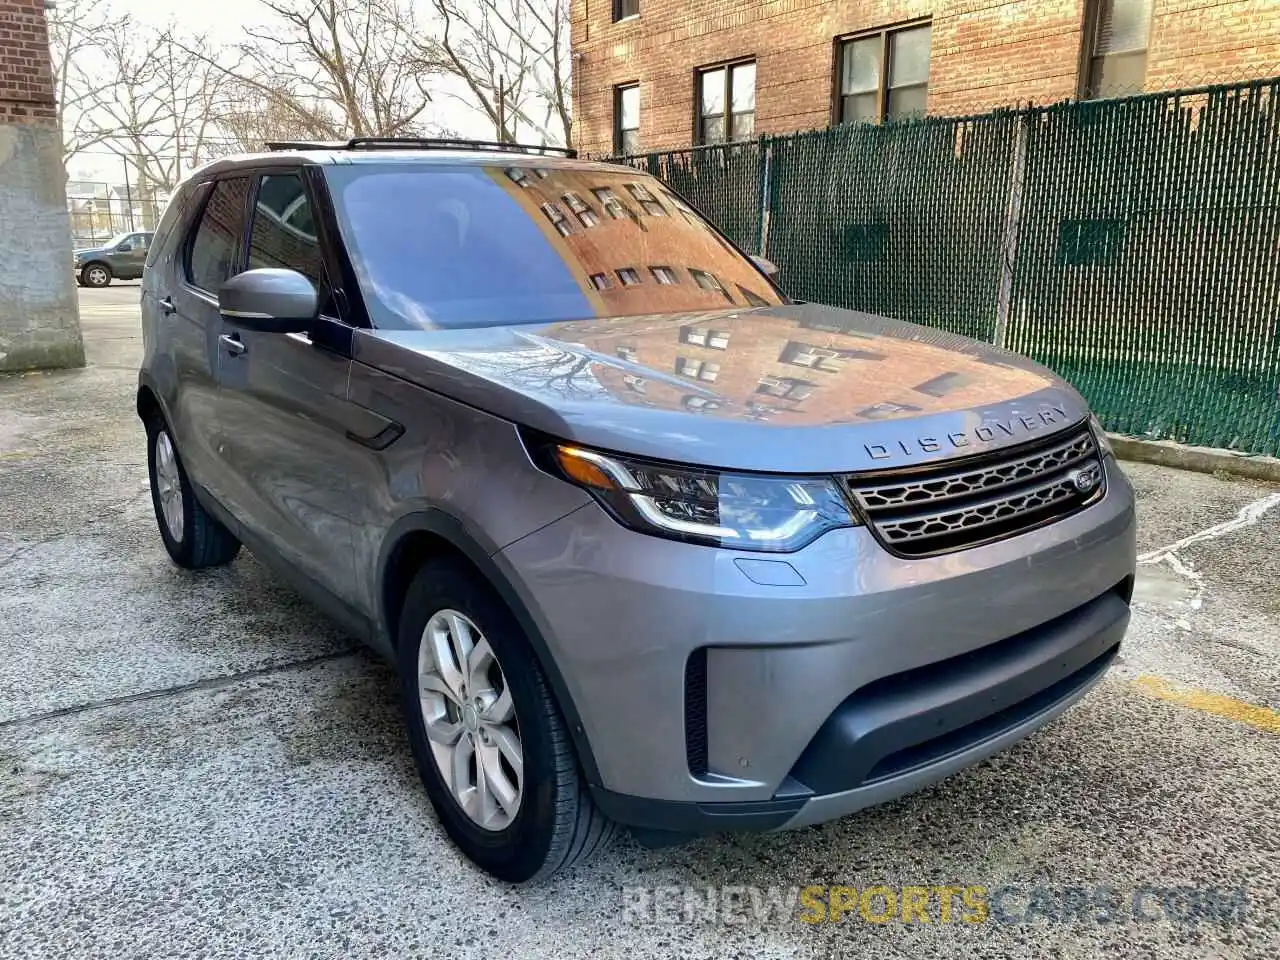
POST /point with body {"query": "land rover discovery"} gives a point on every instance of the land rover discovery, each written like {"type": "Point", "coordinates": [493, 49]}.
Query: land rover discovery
{"type": "Point", "coordinates": [651, 544]}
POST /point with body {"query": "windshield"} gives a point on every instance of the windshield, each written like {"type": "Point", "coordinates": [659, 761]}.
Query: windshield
{"type": "Point", "coordinates": [115, 241]}
{"type": "Point", "coordinates": [467, 245]}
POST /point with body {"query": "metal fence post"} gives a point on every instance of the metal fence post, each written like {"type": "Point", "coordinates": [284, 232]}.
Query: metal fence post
{"type": "Point", "coordinates": [766, 188]}
{"type": "Point", "coordinates": [1012, 227]}
{"type": "Point", "coordinates": [128, 192]}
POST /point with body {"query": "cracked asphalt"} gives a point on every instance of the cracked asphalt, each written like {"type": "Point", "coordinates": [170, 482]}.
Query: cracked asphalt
{"type": "Point", "coordinates": [199, 765]}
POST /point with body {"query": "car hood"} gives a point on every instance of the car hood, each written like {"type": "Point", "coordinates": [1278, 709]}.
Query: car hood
{"type": "Point", "coordinates": [798, 388]}
{"type": "Point", "coordinates": [91, 251]}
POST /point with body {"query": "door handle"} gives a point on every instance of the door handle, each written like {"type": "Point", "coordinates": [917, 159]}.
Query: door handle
{"type": "Point", "coordinates": [166, 306]}
{"type": "Point", "coordinates": [233, 344]}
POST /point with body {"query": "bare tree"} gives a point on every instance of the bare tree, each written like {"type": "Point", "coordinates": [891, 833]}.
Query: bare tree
{"type": "Point", "coordinates": [330, 69]}
{"type": "Point", "coordinates": [512, 58]}
{"type": "Point", "coordinates": [155, 107]}
{"type": "Point", "coordinates": [76, 32]}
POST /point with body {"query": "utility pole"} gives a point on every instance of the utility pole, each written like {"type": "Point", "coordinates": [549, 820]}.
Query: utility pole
{"type": "Point", "coordinates": [502, 108]}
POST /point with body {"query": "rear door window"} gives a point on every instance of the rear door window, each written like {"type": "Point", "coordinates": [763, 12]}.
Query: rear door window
{"type": "Point", "coordinates": [217, 238]}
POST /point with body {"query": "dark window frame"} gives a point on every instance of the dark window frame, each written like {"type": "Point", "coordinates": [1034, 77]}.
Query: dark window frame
{"type": "Point", "coordinates": [620, 10]}
{"type": "Point", "coordinates": [728, 67]}
{"type": "Point", "coordinates": [882, 90]}
{"type": "Point", "coordinates": [1090, 24]}
{"type": "Point", "coordinates": [618, 129]}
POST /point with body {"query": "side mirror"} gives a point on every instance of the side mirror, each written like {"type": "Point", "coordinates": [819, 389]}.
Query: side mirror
{"type": "Point", "coordinates": [270, 301]}
{"type": "Point", "coordinates": [124, 248]}
{"type": "Point", "coordinates": [767, 267]}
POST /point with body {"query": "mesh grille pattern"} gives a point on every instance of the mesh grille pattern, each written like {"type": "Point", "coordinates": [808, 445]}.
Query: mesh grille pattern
{"type": "Point", "coordinates": [945, 508]}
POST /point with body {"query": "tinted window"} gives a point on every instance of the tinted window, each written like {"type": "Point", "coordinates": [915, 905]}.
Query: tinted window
{"type": "Point", "coordinates": [213, 249]}
{"type": "Point", "coordinates": [470, 245]}
{"type": "Point", "coordinates": [168, 221]}
{"type": "Point", "coordinates": [283, 231]}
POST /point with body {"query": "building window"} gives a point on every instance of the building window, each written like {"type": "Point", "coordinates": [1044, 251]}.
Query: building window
{"type": "Point", "coordinates": [614, 207]}
{"type": "Point", "coordinates": [635, 383]}
{"type": "Point", "coordinates": [703, 337]}
{"type": "Point", "coordinates": [626, 119]}
{"type": "Point", "coordinates": [883, 75]}
{"type": "Point", "coordinates": [709, 281]}
{"type": "Point", "coordinates": [518, 176]}
{"type": "Point", "coordinates": [693, 401]}
{"type": "Point", "coordinates": [665, 276]}
{"type": "Point", "coordinates": [651, 204]}
{"type": "Point", "coordinates": [629, 276]}
{"type": "Point", "coordinates": [787, 388]}
{"type": "Point", "coordinates": [582, 210]}
{"type": "Point", "coordinates": [694, 335]}
{"type": "Point", "coordinates": [625, 8]}
{"type": "Point", "coordinates": [697, 369]}
{"type": "Point", "coordinates": [1116, 33]}
{"type": "Point", "coordinates": [726, 103]}
{"type": "Point", "coordinates": [557, 218]}
{"type": "Point", "coordinates": [627, 352]}
{"type": "Point", "coordinates": [601, 281]}
{"type": "Point", "coordinates": [752, 298]}
{"type": "Point", "coordinates": [807, 355]}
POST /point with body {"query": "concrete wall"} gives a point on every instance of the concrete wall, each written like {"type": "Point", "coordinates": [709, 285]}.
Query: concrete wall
{"type": "Point", "coordinates": [985, 54]}
{"type": "Point", "coordinates": [39, 317]}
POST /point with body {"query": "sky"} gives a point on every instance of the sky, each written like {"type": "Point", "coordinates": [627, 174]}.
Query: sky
{"type": "Point", "coordinates": [223, 21]}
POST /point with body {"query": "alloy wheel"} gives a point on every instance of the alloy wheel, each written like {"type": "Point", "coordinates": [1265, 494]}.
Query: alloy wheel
{"type": "Point", "coordinates": [97, 277]}
{"type": "Point", "coordinates": [169, 485]}
{"type": "Point", "coordinates": [470, 720]}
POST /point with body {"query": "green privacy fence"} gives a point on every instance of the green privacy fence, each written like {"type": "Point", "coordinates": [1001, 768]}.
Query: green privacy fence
{"type": "Point", "coordinates": [1132, 245]}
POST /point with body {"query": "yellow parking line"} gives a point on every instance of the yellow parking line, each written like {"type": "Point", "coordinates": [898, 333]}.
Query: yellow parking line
{"type": "Point", "coordinates": [1262, 718]}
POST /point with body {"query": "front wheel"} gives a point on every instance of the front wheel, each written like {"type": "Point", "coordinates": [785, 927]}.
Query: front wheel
{"type": "Point", "coordinates": [95, 275]}
{"type": "Point", "coordinates": [490, 744]}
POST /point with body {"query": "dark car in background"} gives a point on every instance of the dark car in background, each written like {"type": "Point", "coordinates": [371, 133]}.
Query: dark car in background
{"type": "Point", "coordinates": [120, 258]}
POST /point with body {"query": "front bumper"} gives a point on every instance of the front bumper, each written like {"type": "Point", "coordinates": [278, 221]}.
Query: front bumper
{"type": "Point", "coordinates": [724, 690]}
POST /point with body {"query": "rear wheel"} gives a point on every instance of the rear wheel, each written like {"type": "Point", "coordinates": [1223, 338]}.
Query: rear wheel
{"type": "Point", "coordinates": [192, 536]}
{"type": "Point", "coordinates": [490, 744]}
{"type": "Point", "coordinates": [95, 275]}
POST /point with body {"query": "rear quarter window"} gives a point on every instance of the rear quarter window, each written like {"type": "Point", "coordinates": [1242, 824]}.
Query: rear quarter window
{"type": "Point", "coordinates": [165, 229]}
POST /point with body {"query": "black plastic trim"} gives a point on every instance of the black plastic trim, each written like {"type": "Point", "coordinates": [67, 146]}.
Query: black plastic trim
{"type": "Point", "coordinates": [380, 441]}
{"type": "Point", "coordinates": [911, 719]}
{"type": "Point", "coordinates": [695, 711]}
{"type": "Point", "coordinates": [689, 818]}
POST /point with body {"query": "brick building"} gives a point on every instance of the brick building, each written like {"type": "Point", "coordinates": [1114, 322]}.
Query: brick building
{"type": "Point", "coordinates": [39, 320]}
{"type": "Point", "coordinates": [655, 74]}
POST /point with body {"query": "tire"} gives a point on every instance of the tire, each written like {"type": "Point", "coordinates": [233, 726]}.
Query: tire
{"type": "Point", "coordinates": [95, 275]}
{"type": "Point", "coordinates": [192, 536]}
{"type": "Point", "coordinates": [555, 823]}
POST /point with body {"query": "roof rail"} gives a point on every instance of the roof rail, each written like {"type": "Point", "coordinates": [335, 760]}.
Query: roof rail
{"type": "Point", "coordinates": [424, 143]}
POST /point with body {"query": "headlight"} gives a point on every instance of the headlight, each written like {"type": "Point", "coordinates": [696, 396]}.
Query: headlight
{"type": "Point", "coordinates": [1100, 436]}
{"type": "Point", "coordinates": [741, 511]}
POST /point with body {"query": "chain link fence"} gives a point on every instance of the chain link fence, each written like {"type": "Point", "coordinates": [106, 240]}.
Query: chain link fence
{"type": "Point", "coordinates": [1132, 245]}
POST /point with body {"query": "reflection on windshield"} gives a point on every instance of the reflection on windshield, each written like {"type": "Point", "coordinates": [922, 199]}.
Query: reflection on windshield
{"type": "Point", "coordinates": [447, 246]}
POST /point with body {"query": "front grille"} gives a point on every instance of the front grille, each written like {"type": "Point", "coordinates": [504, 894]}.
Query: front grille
{"type": "Point", "coordinates": [955, 505]}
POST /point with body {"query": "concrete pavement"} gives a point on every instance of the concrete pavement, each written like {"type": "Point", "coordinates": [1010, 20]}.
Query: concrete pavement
{"type": "Point", "coordinates": [199, 765]}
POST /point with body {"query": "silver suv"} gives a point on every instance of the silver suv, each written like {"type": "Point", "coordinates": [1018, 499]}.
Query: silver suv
{"type": "Point", "coordinates": [649, 543]}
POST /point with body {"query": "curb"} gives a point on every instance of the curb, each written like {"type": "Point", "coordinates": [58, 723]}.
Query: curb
{"type": "Point", "coordinates": [1165, 453]}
